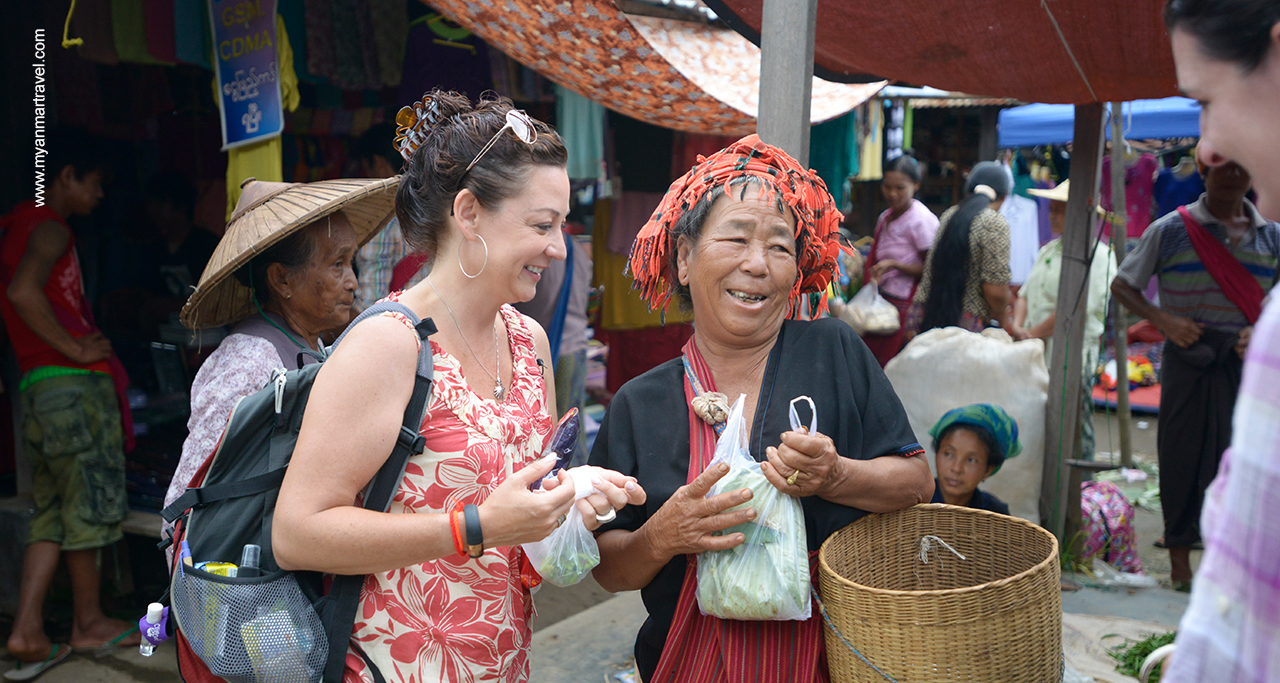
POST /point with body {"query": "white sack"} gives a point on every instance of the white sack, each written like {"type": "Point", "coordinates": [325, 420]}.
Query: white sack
{"type": "Point", "coordinates": [951, 367]}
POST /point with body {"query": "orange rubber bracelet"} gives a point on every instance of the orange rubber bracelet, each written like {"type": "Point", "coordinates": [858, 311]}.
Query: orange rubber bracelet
{"type": "Point", "coordinates": [456, 528]}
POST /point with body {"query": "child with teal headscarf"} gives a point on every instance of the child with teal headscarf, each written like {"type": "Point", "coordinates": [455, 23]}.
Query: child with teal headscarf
{"type": "Point", "coordinates": [971, 443]}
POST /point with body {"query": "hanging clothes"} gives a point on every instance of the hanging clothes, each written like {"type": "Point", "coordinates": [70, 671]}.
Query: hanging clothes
{"type": "Point", "coordinates": [192, 42]}
{"type": "Point", "coordinates": [264, 160]}
{"type": "Point", "coordinates": [92, 23]}
{"type": "Point", "coordinates": [321, 59]}
{"type": "Point", "coordinates": [581, 125]}
{"type": "Point", "coordinates": [631, 210]}
{"type": "Point", "coordinates": [833, 151]}
{"type": "Point", "coordinates": [390, 27]}
{"type": "Point", "coordinates": [687, 147]}
{"type": "Point", "coordinates": [1023, 216]}
{"type": "Point", "coordinates": [441, 54]}
{"type": "Point", "coordinates": [871, 141]}
{"type": "Point", "coordinates": [1174, 188]}
{"type": "Point", "coordinates": [158, 22]}
{"type": "Point", "coordinates": [128, 25]}
{"type": "Point", "coordinates": [1139, 181]}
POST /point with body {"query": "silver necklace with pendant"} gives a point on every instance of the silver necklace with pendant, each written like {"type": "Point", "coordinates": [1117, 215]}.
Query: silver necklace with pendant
{"type": "Point", "coordinates": [498, 390]}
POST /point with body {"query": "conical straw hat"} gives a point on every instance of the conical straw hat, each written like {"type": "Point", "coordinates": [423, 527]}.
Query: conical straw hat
{"type": "Point", "coordinates": [266, 214]}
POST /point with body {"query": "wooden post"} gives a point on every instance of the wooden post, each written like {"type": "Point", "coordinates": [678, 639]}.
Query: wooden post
{"type": "Point", "coordinates": [786, 75]}
{"type": "Point", "coordinates": [1119, 234]}
{"type": "Point", "coordinates": [1060, 507]}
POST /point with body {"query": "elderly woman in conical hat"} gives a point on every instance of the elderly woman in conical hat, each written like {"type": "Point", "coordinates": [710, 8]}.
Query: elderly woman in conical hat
{"type": "Point", "coordinates": [280, 276]}
{"type": "Point", "coordinates": [740, 240]}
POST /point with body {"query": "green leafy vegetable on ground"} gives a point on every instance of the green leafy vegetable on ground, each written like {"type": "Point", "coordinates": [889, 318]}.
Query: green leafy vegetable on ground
{"type": "Point", "coordinates": [1130, 654]}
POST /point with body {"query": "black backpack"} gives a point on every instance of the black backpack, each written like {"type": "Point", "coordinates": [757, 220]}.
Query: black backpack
{"type": "Point", "coordinates": [280, 625]}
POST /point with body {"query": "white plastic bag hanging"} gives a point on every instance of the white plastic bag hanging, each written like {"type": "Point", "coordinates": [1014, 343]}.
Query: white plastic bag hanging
{"type": "Point", "coordinates": [767, 576]}
{"type": "Point", "coordinates": [869, 313]}
{"type": "Point", "coordinates": [565, 557]}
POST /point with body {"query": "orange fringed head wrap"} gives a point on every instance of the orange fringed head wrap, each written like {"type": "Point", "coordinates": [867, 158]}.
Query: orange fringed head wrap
{"type": "Point", "coordinates": [817, 219]}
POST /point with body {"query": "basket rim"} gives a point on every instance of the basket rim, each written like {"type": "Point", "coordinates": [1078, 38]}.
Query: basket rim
{"type": "Point", "coordinates": [826, 570]}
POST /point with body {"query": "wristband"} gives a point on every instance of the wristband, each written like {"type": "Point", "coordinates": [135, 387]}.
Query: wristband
{"type": "Point", "coordinates": [456, 528]}
{"type": "Point", "coordinates": [475, 537]}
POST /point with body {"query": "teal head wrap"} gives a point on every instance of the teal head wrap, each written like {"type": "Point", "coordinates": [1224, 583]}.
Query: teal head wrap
{"type": "Point", "coordinates": [992, 418]}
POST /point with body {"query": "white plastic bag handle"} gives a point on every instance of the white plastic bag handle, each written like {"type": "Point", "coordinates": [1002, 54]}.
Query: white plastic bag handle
{"type": "Point", "coordinates": [796, 425]}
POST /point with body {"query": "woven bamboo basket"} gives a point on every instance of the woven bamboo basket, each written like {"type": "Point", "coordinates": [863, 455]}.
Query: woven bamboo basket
{"type": "Point", "coordinates": [993, 617]}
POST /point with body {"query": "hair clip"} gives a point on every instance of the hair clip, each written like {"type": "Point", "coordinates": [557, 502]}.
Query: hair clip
{"type": "Point", "coordinates": [414, 123]}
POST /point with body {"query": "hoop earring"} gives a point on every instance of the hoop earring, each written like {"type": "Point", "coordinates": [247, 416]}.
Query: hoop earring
{"type": "Point", "coordinates": [482, 266]}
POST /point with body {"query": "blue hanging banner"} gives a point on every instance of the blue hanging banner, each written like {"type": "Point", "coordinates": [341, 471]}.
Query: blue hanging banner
{"type": "Point", "coordinates": [244, 46]}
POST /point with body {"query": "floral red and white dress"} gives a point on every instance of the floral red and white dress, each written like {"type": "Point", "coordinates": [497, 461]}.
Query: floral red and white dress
{"type": "Point", "coordinates": [459, 619]}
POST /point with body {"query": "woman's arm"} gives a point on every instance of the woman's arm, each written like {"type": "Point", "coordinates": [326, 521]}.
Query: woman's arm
{"type": "Point", "coordinates": [683, 525]}
{"type": "Point", "coordinates": [352, 419]}
{"type": "Point", "coordinates": [880, 484]}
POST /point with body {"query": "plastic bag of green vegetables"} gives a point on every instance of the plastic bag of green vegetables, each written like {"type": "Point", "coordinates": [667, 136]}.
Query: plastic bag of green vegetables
{"type": "Point", "coordinates": [767, 576]}
{"type": "Point", "coordinates": [565, 557]}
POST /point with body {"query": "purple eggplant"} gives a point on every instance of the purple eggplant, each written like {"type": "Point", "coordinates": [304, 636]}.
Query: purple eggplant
{"type": "Point", "coordinates": [563, 442]}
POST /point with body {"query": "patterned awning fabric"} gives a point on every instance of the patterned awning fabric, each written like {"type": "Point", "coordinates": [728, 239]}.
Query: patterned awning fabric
{"type": "Point", "coordinates": [685, 76]}
{"type": "Point", "coordinates": [1059, 51]}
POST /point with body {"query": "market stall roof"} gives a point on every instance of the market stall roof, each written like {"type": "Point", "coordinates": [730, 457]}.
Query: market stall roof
{"type": "Point", "coordinates": [1065, 51]}
{"type": "Point", "coordinates": [690, 77]}
{"type": "Point", "coordinates": [1049, 124]}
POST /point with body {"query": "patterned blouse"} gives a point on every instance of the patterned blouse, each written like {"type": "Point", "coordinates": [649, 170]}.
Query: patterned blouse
{"type": "Point", "coordinates": [459, 619]}
{"type": "Point", "coordinates": [239, 367]}
{"type": "Point", "coordinates": [988, 260]}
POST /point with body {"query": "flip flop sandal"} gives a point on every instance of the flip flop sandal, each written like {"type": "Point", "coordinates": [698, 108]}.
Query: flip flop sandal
{"type": "Point", "coordinates": [29, 670]}
{"type": "Point", "coordinates": [110, 646]}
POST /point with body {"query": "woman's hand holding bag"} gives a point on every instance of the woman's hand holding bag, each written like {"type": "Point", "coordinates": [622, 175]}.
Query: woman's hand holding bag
{"type": "Point", "coordinates": [767, 576]}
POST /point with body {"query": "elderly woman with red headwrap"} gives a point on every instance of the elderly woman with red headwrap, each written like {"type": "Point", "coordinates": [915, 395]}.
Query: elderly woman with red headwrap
{"type": "Point", "coordinates": [739, 240]}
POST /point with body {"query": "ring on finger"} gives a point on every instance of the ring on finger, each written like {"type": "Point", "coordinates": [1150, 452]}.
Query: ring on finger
{"type": "Point", "coordinates": [560, 520]}
{"type": "Point", "coordinates": [608, 517]}
{"type": "Point", "coordinates": [791, 480]}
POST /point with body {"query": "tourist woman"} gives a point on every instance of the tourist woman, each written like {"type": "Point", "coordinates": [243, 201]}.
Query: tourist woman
{"type": "Point", "coordinates": [486, 194]}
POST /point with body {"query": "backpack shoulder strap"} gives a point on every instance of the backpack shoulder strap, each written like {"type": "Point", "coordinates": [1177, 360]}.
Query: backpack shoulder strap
{"type": "Point", "coordinates": [344, 595]}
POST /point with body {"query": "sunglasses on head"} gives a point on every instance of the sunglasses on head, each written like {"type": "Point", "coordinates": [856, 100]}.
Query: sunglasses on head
{"type": "Point", "coordinates": [519, 123]}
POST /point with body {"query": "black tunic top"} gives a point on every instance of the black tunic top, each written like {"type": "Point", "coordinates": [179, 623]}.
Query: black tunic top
{"type": "Point", "coordinates": [645, 434]}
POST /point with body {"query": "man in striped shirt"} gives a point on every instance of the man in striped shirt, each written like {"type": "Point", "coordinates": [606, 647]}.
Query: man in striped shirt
{"type": "Point", "coordinates": [1210, 292]}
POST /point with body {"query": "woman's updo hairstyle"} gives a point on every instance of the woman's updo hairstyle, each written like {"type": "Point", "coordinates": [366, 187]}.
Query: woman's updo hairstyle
{"type": "Point", "coordinates": [906, 165]}
{"type": "Point", "coordinates": [435, 173]}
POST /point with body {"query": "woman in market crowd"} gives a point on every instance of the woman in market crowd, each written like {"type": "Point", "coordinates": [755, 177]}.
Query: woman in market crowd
{"type": "Point", "coordinates": [484, 192]}
{"type": "Point", "coordinates": [279, 302]}
{"type": "Point", "coordinates": [965, 282]}
{"type": "Point", "coordinates": [1227, 54]}
{"type": "Point", "coordinates": [904, 234]}
{"type": "Point", "coordinates": [1036, 308]}
{"type": "Point", "coordinates": [739, 239]}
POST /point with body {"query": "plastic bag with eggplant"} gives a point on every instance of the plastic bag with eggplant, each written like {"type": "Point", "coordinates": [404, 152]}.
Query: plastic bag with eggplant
{"type": "Point", "coordinates": [766, 578]}
{"type": "Point", "coordinates": [565, 557]}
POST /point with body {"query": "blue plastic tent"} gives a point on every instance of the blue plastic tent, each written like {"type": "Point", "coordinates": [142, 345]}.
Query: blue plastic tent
{"type": "Point", "coordinates": [1047, 124]}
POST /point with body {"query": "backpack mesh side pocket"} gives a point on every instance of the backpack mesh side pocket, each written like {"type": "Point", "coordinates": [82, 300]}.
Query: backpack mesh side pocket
{"type": "Point", "coordinates": [250, 630]}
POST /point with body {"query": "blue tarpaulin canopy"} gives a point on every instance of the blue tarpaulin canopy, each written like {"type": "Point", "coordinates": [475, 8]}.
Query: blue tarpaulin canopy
{"type": "Point", "coordinates": [1048, 124]}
